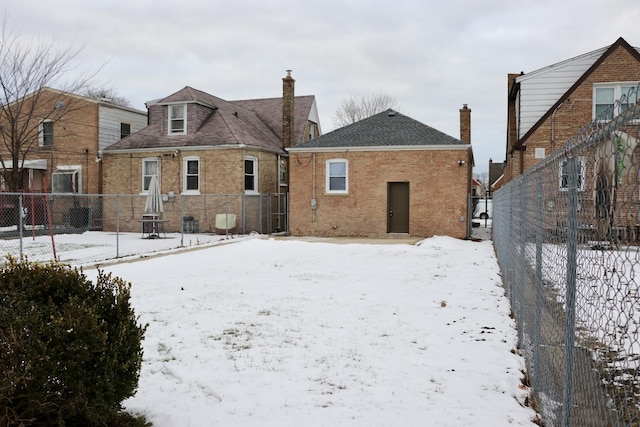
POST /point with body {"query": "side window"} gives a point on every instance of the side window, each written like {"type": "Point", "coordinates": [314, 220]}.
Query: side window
{"type": "Point", "coordinates": [67, 179]}
{"type": "Point", "coordinates": [191, 175]}
{"type": "Point", "coordinates": [125, 129]}
{"type": "Point", "coordinates": [337, 176]}
{"type": "Point", "coordinates": [564, 175]}
{"type": "Point", "coordinates": [610, 100]}
{"type": "Point", "coordinates": [603, 103]}
{"type": "Point", "coordinates": [149, 168]}
{"type": "Point", "coordinates": [46, 133]}
{"type": "Point", "coordinates": [250, 174]}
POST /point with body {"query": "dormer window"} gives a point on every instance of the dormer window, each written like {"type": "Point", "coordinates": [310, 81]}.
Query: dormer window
{"type": "Point", "coordinates": [177, 119]}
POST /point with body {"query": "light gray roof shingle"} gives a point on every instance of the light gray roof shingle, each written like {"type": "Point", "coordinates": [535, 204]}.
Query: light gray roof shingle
{"type": "Point", "coordinates": [386, 129]}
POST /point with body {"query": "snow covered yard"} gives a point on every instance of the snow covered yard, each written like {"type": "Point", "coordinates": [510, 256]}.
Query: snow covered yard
{"type": "Point", "coordinates": [291, 333]}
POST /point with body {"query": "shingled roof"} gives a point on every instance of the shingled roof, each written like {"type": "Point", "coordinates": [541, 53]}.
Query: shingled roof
{"type": "Point", "coordinates": [256, 123]}
{"type": "Point", "coordinates": [386, 129]}
{"type": "Point", "coordinates": [269, 110]}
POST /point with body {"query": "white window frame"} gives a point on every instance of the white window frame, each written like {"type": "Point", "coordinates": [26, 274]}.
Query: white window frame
{"type": "Point", "coordinates": [619, 89]}
{"type": "Point", "coordinates": [562, 180]}
{"type": "Point", "coordinates": [283, 172]}
{"type": "Point", "coordinates": [186, 175]}
{"type": "Point", "coordinates": [146, 177]}
{"type": "Point", "coordinates": [75, 171]}
{"type": "Point", "coordinates": [329, 175]}
{"type": "Point", "coordinates": [253, 175]}
{"type": "Point", "coordinates": [41, 133]}
{"type": "Point", "coordinates": [176, 118]}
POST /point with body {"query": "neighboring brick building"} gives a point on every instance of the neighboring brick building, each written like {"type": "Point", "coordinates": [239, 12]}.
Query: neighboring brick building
{"type": "Point", "coordinates": [59, 142]}
{"type": "Point", "coordinates": [200, 145]}
{"type": "Point", "coordinates": [385, 175]}
{"type": "Point", "coordinates": [548, 106]}
{"type": "Point", "coordinates": [64, 140]}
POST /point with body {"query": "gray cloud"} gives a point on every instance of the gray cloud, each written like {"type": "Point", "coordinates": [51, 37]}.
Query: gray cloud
{"type": "Point", "coordinates": [431, 56]}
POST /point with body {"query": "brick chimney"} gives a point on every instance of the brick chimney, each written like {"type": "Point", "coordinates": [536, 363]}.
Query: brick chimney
{"type": "Point", "coordinates": [288, 89]}
{"type": "Point", "coordinates": [465, 124]}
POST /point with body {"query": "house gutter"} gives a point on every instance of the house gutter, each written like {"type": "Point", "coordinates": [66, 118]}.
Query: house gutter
{"type": "Point", "coordinates": [464, 147]}
{"type": "Point", "coordinates": [192, 148]}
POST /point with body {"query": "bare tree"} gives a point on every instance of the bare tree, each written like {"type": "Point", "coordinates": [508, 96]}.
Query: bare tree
{"type": "Point", "coordinates": [107, 94]}
{"type": "Point", "coordinates": [29, 70]}
{"type": "Point", "coordinates": [354, 109]}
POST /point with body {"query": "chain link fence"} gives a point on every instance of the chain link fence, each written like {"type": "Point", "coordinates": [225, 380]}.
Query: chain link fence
{"type": "Point", "coordinates": [567, 238]}
{"type": "Point", "coordinates": [88, 229]}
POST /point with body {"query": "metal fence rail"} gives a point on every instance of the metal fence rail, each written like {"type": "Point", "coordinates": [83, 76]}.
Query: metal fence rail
{"type": "Point", "coordinates": [83, 229]}
{"type": "Point", "coordinates": [567, 239]}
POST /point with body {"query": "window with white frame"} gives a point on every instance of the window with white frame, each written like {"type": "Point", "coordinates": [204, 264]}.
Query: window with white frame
{"type": "Point", "coordinates": [283, 172]}
{"type": "Point", "coordinates": [46, 133]}
{"type": "Point", "coordinates": [250, 174]}
{"type": "Point", "coordinates": [177, 119]}
{"type": "Point", "coordinates": [191, 175]}
{"type": "Point", "coordinates": [150, 167]}
{"type": "Point", "coordinates": [605, 96]}
{"type": "Point", "coordinates": [337, 176]}
{"type": "Point", "coordinates": [67, 179]}
{"type": "Point", "coordinates": [564, 174]}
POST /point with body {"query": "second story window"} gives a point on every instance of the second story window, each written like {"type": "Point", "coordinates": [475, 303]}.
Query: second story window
{"type": "Point", "coordinates": [46, 134]}
{"type": "Point", "coordinates": [125, 129]}
{"type": "Point", "coordinates": [191, 175]}
{"type": "Point", "coordinates": [177, 119]}
{"type": "Point", "coordinates": [605, 107]}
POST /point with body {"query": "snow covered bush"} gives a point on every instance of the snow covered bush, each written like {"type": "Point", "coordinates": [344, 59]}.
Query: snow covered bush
{"type": "Point", "coordinates": [70, 351]}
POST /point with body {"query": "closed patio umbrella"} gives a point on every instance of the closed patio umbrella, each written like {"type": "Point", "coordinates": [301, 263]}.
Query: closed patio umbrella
{"type": "Point", "coordinates": [154, 198]}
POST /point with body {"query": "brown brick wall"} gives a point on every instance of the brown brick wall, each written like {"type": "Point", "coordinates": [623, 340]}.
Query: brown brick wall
{"type": "Point", "coordinates": [438, 189]}
{"type": "Point", "coordinates": [221, 173]}
{"type": "Point", "coordinates": [75, 138]}
{"type": "Point", "coordinates": [577, 110]}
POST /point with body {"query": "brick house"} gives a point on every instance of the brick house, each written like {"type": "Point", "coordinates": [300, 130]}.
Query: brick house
{"type": "Point", "coordinates": [548, 106]}
{"type": "Point", "coordinates": [64, 135]}
{"type": "Point", "coordinates": [69, 133]}
{"type": "Point", "coordinates": [219, 156]}
{"type": "Point", "coordinates": [383, 176]}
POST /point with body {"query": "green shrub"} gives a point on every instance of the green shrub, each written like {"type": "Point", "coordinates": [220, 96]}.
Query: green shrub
{"type": "Point", "coordinates": [70, 352]}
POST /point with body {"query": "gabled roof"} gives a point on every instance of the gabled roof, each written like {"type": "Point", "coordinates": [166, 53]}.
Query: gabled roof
{"type": "Point", "coordinates": [256, 123]}
{"type": "Point", "coordinates": [603, 53]}
{"type": "Point", "coordinates": [269, 110]}
{"type": "Point", "coordinates": [496, 170]}
{"type": "Point", "coordinates": [386, 129]}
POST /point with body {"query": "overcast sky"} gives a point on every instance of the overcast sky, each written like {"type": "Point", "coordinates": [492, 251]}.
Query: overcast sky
{"type": "Point", "coordinates": [432, 57]}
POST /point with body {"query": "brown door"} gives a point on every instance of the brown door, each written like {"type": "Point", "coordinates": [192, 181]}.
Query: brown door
{"type": "Point", "coordinates": [398, 207]}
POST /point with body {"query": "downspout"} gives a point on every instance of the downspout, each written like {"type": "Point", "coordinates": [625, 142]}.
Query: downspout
{"type": "Point", "coordinates": [314, 202]}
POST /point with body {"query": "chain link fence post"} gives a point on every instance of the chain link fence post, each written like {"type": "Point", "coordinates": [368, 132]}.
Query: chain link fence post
{"type": "Point", "coordinates": [573, 178]}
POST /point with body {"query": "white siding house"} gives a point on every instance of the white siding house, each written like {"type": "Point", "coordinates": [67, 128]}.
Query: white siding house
{"type": "Point", "coordinates": [541, 89]}
{"type": "Point", "coordinates": [116, 122]}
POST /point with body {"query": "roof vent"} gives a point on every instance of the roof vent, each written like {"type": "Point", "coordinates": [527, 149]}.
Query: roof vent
{"type": "Point", "coordinates": [391, 113]}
